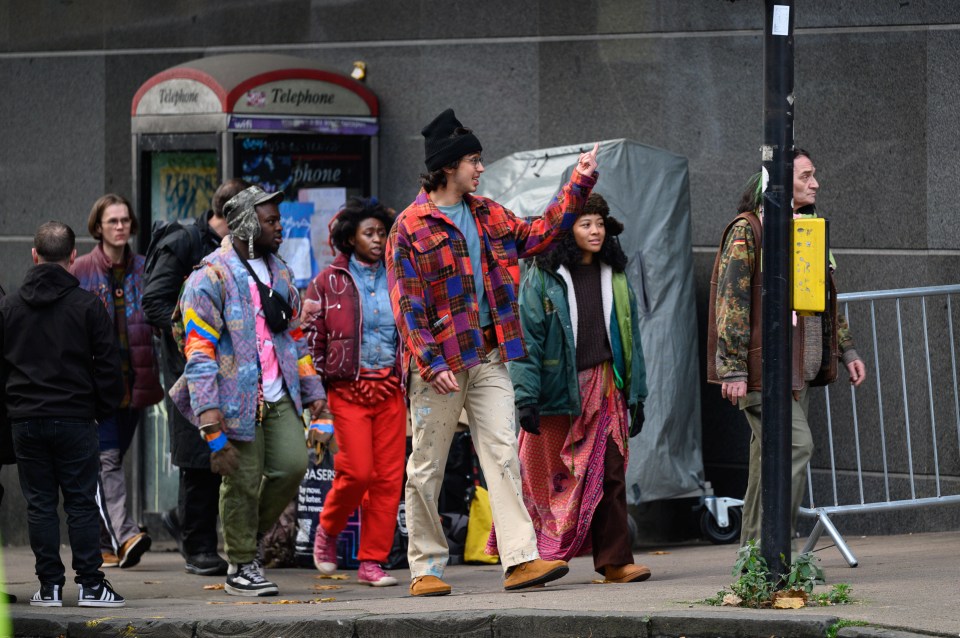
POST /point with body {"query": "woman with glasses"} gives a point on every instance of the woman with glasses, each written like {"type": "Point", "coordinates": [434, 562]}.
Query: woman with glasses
{"type": "Point", "coordinates": [353, 340]}
{"type": "Point", "coordinates": [114, 273]}
{"type": "Point", "coordinates": [579, 395]}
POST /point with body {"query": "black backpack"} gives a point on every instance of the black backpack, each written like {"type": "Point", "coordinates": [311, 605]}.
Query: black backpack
{"type": "Point", "coordinates": [162, 234]}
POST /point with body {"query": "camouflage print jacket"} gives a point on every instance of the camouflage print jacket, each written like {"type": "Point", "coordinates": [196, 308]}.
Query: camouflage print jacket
{"type": "Point", "coordinates": [732, 308]}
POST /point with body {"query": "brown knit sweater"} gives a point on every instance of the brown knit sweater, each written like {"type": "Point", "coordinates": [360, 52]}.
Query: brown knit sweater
{"type": "Point", "coordinates": [593, 347]}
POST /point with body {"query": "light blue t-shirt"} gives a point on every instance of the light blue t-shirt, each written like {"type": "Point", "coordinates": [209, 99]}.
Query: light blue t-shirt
{"type": "Point", "coordinates": [463, 219]}
{"type": "Point", "coordinates": [378, 343]}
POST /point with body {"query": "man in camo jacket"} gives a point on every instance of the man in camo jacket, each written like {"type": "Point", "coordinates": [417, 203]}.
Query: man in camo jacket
{"type": "Point", "coordinates": [734, 338]}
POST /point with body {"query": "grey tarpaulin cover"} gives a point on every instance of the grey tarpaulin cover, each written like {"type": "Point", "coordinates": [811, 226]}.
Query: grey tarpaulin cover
{"type": "Point", "coordinates": [648, 189]}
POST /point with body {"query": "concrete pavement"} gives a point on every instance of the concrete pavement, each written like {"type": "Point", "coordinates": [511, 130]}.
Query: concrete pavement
{"type": "Point", "coordinates": [905, 583]}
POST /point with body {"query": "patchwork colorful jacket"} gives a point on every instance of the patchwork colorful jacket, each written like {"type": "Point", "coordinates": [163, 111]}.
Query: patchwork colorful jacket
{"type": "Point", "coordinates": [431, 278]}
{"type": "Point", "coordinates": [223, 365]}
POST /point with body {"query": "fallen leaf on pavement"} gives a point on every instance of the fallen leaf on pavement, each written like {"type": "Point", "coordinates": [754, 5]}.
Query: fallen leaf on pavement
{"type": "Point", "coordinates": [731, 600]}
{"type": "Point", "coordinates": [214, 587]}
{"type": "Point", "coordinates": [333, 577]}
{"type": "Point", "coordinates": [789, 599]}
{"type": "Point", "coordinates": [789, 603]}
{"type": "Point", "coordinates": [326, 587]}
{"type": "Point", "coordinates": [659, 553]}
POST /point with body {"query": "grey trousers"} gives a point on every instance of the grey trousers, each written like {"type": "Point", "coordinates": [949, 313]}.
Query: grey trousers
{"type": "Point", "coordinates": [118, 525]}
{"type": "Point", "coordinates": [801, 451]}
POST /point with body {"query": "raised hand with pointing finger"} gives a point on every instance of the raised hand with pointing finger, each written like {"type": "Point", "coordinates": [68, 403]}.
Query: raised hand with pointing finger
{"type": "Point", "coordinates": [587, 164]}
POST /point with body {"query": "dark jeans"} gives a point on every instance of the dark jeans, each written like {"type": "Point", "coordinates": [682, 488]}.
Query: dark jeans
{"type": "Point", "coordinates": [197, 509]}
{"type": "Point", "coordinates": [52, 455]}
{"type": "Point", "coordinates": [609, 530]}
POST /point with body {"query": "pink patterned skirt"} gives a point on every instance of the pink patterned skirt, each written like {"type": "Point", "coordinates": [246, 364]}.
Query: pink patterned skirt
{"type": "Point", "coordinates": [562, 467]}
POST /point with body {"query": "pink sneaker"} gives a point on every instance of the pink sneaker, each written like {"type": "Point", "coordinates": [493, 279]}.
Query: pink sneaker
{"type": "Point", "coordinates": [324, 551]}
{"type": "Point", "coordinates": [371, 573]}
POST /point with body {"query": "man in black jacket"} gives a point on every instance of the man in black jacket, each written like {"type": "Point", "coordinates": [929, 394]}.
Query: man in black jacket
{"type": "Point", "coordinates": [193, 523]}
{"type": "Point", "coordinates": [6, 454]}
{"type": "Point", "coordinates": [59, 372]}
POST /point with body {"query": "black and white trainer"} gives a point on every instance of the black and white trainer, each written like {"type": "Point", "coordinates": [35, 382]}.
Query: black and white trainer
{"type": "Point", "coordinates": [99, 595]}
{"type": "Point", "coordinates": [49, 595]}
{"type": "Point", "coordinates": [247, 580]}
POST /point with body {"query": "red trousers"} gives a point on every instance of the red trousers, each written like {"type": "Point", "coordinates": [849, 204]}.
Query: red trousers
{"type": "Point", "coordinates": [369, 471]}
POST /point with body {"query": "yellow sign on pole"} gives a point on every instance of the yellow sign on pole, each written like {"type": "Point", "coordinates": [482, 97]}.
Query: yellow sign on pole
{"type": "Point", "coordinates": [810, 265]}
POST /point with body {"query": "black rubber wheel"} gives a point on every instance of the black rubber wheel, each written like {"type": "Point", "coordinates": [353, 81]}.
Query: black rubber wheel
{"type": "Point", "coordinates": [722, 535]}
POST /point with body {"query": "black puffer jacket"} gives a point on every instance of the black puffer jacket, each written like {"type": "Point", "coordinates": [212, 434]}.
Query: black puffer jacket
{"type": "Point", "coordinates": [177, 255]}
{"type": "Point", "coordinates": [58, 351]}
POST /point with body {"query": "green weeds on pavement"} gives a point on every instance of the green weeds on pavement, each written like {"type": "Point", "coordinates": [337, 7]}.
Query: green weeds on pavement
{"type": "Point", "coordinates": [833, 629]}
{"type": "Point", "coordinates": [753, 586]}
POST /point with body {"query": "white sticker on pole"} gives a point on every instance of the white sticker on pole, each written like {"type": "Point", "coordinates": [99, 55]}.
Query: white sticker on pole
{"type": "Point", "coordinates": [781, 20]}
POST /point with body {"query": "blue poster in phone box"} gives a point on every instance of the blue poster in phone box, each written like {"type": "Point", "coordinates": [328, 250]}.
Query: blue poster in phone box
{"type": "Point", "coordinates": [296, 250]}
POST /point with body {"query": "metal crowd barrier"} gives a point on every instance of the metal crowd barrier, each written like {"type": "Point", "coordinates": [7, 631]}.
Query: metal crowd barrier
{"type": "Point", "coordinates": [901, 448]}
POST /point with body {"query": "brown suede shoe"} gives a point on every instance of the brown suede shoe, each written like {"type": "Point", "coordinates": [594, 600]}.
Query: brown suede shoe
{"type": "Point", "coordinates": [428, 586]}
{"type": "Point", "coordinates": [626, 573]}
{"type": "Point", "coordinates": [534, 572]}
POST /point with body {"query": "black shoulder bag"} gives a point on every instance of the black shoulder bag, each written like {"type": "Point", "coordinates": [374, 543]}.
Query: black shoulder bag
{"type": "Point", "coordinates": [276, 310]}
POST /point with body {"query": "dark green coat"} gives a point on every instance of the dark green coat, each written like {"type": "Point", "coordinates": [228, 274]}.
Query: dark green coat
{"type": "Point", "coordinates": [548, 375]}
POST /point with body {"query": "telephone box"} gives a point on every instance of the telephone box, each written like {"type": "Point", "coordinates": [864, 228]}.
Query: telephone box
{"type": "Point", "coordinates": [281, 122]}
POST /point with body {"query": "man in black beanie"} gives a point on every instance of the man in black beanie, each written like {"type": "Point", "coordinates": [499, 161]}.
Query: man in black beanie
{"type": "Point", "coordinates": [453, 274]}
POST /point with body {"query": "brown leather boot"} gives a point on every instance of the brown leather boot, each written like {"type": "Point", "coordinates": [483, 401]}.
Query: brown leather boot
{"type": "Point", "coordinates": [626, 573]}
{"type": "Point", "coordinates": [534, 572]}
{"type": "Point", "coordinates": [428, 586]}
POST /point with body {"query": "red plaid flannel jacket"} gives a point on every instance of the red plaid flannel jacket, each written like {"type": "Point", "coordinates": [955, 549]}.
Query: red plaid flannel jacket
{"type": "Point", "coordinates": [431, 278]}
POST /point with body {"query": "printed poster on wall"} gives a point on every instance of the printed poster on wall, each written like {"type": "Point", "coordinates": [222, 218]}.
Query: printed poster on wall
{"type": "Point", "coordinates": [182, 184]}
{"type": "Point", "coordinates": [326, 203]}
{"type": "Point", "coordinates": [296, 249]}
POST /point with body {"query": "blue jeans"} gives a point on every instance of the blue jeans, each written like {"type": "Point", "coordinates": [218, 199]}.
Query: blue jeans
{"type": "Point", "coordinates": [53, 456]}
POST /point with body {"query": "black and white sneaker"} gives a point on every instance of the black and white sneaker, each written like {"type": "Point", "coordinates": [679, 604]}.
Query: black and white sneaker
{"type": "Point", "coordinates": [99, 595]}
{"type": "Point", "coordinates": [247, 580]}
{"type": "Point", "coordinates": [49, 595]}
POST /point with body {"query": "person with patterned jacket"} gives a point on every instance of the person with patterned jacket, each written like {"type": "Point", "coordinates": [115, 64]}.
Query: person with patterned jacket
{"type": "Point", "coordinates": [453, 276]}
{"type": "Point", "coordinates": [247, 378]}
{"type": "Point", "coordinates": [734, 338]}
{"type": "Point", "coordinates": [114, 273]}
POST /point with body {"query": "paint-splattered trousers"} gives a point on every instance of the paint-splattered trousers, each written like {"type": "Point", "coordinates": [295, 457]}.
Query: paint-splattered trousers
{"type": "Point", "coordinates": [486, 393]}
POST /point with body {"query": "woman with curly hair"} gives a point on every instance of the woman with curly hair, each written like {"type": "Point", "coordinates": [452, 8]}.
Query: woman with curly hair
{"type": "Point", "coordinates": [353, 339]}
{"type": "Point", "coordinates": [580, 394]}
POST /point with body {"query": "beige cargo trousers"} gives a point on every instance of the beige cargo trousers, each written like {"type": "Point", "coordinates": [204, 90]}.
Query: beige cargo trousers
{"type": "Point", "coordinates": [486, 393]}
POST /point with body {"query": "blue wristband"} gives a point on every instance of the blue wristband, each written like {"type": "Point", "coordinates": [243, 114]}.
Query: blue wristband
{"type": "Point", "coordinates": [218, 442]}
{"type": "Point", "coordinates": [323, 425]}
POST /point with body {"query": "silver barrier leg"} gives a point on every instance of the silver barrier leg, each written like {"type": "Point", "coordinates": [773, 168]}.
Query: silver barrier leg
{"type": "Point", "coordinates": [815, 535]}
{"type": "Point", "coordinates": [824, 524]}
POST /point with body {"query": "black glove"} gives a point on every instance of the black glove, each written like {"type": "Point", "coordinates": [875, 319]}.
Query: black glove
{"type": "Point", "coordinates": [637, 423]}
{"type": "Point", "coordinates": [530, 419]}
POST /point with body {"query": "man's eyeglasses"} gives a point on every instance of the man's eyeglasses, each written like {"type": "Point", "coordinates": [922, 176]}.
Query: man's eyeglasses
{"type": "Point", "coordinates": [475, 160]}
{"type": "Point", "coordinates": [125, 221]}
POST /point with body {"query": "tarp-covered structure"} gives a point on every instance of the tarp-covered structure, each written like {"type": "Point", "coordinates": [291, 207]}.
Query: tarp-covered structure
{"type": "Point", "coordinates": [648, 189]}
